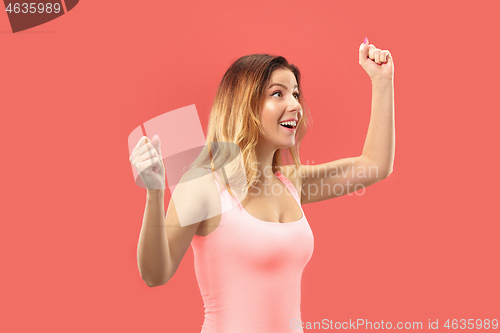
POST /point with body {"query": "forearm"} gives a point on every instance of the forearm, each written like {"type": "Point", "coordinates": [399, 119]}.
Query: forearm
{"type": "Point", "coordinates": [152, 249]}
{"type": "Point", "coordinates": [379, 144]}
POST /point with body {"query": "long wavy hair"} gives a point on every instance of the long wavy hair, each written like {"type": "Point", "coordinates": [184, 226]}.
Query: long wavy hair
{"type": "Point", "coordinates": [234, 122]}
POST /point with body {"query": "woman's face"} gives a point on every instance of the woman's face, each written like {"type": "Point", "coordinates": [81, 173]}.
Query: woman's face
{"type": "Point", "coordinates": [281, 104]}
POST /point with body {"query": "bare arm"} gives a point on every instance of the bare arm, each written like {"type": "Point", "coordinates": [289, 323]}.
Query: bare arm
{"type": "Point", "coordinates": [163, 241]}
{"type": "Point", "coordinates": [380, 140]}
{"type": "Point", "coordinates": [343, 176]}
{"type": "Point", "coordinates": [152, 250]}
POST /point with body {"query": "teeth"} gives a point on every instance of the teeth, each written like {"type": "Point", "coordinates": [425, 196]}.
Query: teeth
{"type": "Point", "coordinates": [291, 123]}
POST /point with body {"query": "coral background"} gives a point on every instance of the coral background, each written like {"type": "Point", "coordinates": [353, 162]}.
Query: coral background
{"type": "Point", "coordinates": [421, 245]}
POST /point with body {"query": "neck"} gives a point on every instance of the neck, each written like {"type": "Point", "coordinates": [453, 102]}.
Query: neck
{"type": "Point", "coordinates": [265, 164]}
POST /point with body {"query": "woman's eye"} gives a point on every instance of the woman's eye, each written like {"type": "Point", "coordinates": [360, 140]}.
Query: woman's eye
{"type": "Point", "coordinates": [279, 92]}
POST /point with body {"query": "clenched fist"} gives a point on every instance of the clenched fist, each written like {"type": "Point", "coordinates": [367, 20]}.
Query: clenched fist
{"type": "Point", "coordinates": [146, 158]}
{"type": "Point", "coordinates": [377, 63]}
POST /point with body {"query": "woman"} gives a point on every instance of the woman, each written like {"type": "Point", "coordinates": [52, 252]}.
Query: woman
{"type": "Point", "coordinates": [240, 208]}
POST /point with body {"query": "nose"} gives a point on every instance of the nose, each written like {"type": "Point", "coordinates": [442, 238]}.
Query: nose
{"type": "Point", "coordinates": [294, 105]}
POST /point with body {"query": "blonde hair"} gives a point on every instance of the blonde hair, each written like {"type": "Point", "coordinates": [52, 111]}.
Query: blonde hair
{"type": "Point", "coordinates": [234, 122]}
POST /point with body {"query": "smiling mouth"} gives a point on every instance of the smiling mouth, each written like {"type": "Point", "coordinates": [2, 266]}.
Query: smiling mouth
{"type": "Point", "coordinates": [292, 124]}
{"type": "Point", "coordinates": [289, 128]}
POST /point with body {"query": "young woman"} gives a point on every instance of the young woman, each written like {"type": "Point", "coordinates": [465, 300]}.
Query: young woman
{"type": "Point", "coordinates": [251, 239]}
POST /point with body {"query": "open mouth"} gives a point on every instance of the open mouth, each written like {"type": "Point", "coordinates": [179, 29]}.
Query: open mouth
{"type": "Point", "coordinates": [289, 124]}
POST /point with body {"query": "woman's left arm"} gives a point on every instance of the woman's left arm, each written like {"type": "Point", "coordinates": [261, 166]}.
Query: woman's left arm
{"type": "Point", "coordinates": [346, 175]}
{"type": "Point", "coordinates": [380, 139]}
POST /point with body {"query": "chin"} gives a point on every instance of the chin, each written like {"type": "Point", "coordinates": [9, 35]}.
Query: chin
{"type": "Point", "coordinates": [286, 146]}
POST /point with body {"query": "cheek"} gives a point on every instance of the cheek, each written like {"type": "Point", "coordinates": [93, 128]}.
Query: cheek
{"type": "Point", "coordinates": [271, 124]}
{"type": "Point", "coordinates": [268, 117]}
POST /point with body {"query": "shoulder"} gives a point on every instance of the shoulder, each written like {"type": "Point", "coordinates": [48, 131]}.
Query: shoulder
{"type": "Point", "coordinates": [293, 173]}
{"type": "Point", "coordinates": [198, 184]}
{"type": "Point", "coordinates": [195, 173]}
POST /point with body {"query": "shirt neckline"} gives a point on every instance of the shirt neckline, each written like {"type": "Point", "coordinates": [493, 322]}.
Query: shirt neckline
{"type": "Point", "coordinates": [273, 222]}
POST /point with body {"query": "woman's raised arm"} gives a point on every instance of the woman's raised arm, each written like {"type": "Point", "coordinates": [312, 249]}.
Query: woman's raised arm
{"type": "Point", "coordinates": [164, 240]}
{"type": "Point", "coordinates": [346, 175]}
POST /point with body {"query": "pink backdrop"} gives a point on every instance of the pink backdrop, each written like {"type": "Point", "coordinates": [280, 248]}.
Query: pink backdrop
{"type": "Point", "coordinates": [421, 245]}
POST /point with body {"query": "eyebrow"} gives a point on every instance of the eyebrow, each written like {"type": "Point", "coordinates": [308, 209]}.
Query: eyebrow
{"type": "Point", "coordinates": [279, 84]}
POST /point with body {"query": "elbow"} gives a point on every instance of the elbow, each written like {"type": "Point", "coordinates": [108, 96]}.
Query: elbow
{"type": "Point", "coordinates": [386, 174]}
{"type": "Point", "coordinates": [383, 172]}
{"type": "Point", "coordinates": [155, 281]}
{"type": "Point", "coordinates": [154, 275]}
{"type": "Point", "coordinates": [152, 283]}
